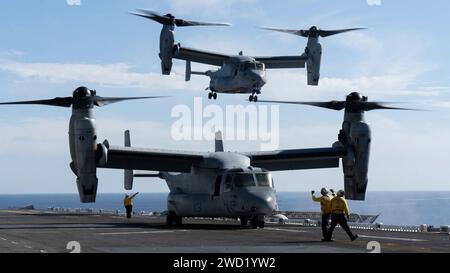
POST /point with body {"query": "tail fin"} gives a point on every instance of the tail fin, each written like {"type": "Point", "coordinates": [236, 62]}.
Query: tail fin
{"type": "Point", "coordinates": [128, 174]}
{"type": "Point", "coordinates": [189, 72]}
{"type": "Point", "coordinates": [219, 142]}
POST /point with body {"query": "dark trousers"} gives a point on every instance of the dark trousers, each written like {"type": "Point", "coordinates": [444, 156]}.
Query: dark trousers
{"type": "Point", "coordinates": [342, 221]}
{"type": "Point", "coordinates": [129, 210]}
{"type": "Point", "coordinates": [325, 222]}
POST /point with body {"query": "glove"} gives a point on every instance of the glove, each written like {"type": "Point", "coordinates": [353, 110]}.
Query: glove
{"type": "Point", "coordinates": [312, 192]}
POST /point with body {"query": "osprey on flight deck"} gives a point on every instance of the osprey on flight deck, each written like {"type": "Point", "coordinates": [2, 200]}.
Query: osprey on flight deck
{"type": "Point", "coordinates": [238, 73]}
{"type": "Point", "coordinates": [219, 183]}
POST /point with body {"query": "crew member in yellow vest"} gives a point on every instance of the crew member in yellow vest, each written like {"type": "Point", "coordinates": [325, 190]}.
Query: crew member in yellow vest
{"type": "Point", "coordinates": [325, 207]}
{"type": "Point", "coordinates": [339, 215]}
{"type": "Point", "coordinates": [128, 203]}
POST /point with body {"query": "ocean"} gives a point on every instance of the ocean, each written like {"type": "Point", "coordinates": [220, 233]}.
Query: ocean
{"type": "Point", "coordinates": [402, 208]}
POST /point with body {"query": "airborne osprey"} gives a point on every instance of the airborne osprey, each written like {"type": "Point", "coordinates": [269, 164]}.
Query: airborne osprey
{"type": "Point", "coordinates": [238, 74]}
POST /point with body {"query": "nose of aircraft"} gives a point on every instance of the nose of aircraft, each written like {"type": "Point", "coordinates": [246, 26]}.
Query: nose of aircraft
{"type": "Point", "coordinates": [258, 76]}
{"type": "Point", "coordinates": [263, 201]}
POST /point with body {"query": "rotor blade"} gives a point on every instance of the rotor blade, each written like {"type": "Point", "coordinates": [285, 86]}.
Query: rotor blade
{"type": "Point", "coordinates": [185, 23]}
{"type": "Point", "coordinates": [367, 106]}
{"type": "Point", "coordinates": [102, 101]}
{"type": "Point", "coordinates": [61, 102]}
{"type": "Point", "coordinates": [169, 19]}
{"type": "Point", "coordinates": [326, 33]}
{"type": "Point", "coordinates": [334, 105]}
{"type": "Point", "coordinates": [152, 15]}
{"type": "Point", "coordinates": [300, 32]}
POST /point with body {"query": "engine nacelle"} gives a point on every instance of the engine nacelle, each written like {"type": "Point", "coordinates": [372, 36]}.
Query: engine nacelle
{"type": "Point", "coordinates": [356, 163]}
{"type": "Point", "coordinates": [166, 48]}
{"type": "Point", "coordinates": [314, 53]}
{"type": "Point", "coordinates": [85, 158]}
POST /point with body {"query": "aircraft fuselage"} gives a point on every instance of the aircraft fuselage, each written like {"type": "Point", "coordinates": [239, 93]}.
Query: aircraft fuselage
{"type": "Point", "coordinates": [228, 187]}
{"type": "Point", "coordinates": [240, 74]}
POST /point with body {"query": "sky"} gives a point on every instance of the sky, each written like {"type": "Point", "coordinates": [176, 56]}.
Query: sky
{"type": "Point", "coordinates": [50, 47]}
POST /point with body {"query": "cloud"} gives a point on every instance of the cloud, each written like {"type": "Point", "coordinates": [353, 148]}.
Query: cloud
{"type": "Point", "coordinates": [35, 135]}
{"type": "Point", "coordinates": [73, 2]}
{"type": "Point", "coordinates": [116, 75]}
{"type": "Point", "coordinates": [373, 2]}
{"type": "Point", "coordinates": [11, 54]}
{"type": "Point", "coordinates": [282, 84]}
{"type": "Point", "coordinates": [291, 85]}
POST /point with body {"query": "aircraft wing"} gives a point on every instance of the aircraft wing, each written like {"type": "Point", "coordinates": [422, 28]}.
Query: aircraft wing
{"type": "Point", "coordinates": [205, 57]}
{"type": "Point", "coordinates": [283, 61]}
{"type": "Point", "coordinates": [150, 159]}
{"type": "Point", "coordinates": [297, 159]}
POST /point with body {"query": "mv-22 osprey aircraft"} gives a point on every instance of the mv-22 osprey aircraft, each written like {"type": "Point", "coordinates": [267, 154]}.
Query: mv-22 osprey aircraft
{"type": "Point", "coordinates": [238, 73]}
{"type": "Point", "coordinates": [219, 183]}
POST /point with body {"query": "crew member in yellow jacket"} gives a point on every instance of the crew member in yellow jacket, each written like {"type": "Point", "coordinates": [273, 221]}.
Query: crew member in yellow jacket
{"type": "Point", "coordinates": [325, 207]}
{"type": "Point", "coordinates": [128, 203]}
{"type": "Point", "coordinates": [339, 215]}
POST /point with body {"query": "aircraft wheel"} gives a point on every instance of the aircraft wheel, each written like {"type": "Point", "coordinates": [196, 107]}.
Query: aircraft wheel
{"type": "Point", "coordinates": [214, 96]}
{"type": "Point", "coordinates": [169, 220]}
{"type": "Point", "coordinates": [261, 224]}
{"type": "Point", "coordinates": [210, 95]}
{"type": "Point", "coordinates": [178, 221]}
{"type": "Point", "coordinates": [244, 221]}
{"type": "Point", "coordinates": [255, 98]}
{"type": "Point", "coordinates": [254, 222]}
{"type": "Point", "coordinates": [250, 98]}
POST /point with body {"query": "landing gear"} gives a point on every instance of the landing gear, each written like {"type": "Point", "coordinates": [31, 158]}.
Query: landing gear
{"type": "Point", "coordinates": [172, 219]}
{"type": "Point", "coordinates": [178, 221]}
{"type": "Point", "coordinates": [169, 220]}
{"type": "Point", "coordinates": [257, 221]}
{"type": "Point", "coordinates": [261, 224]}
{"type": "Point", "coordinates": [212, 95]}
{"type": "Point", "coordinates": [253, 98]}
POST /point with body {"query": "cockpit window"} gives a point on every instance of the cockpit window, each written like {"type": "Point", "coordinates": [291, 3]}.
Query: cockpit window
{"type": "Point", "coordinates": [249, 65]}
{"type": "Point", "coordinates": [228, 183]}
{"type": "Point", "coordinates": [264, 179]}
{"type": "Point", "coordinates": [259, 66]}
{"type": "Point", "coordinates": [244, 180]}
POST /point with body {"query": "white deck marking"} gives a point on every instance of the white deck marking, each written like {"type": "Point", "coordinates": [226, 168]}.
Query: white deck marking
{"type": "Point", "coordinates": [393, 238]}
{"type": "Point", "coordinates": [4, 239]}
{"type": "Point", "coordinates": [15, 243]}
{"type": "Point", "coordinates": [140, 232]}
{"type": "Point", "coordinates": [27, 246]}
{"type": "Point", "coordinates": [42, 251]}
{"type": "Point", "coordinates": [289, 230]}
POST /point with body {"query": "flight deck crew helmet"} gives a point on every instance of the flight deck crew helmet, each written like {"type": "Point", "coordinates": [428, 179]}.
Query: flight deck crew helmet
{"type": "Point", "coordinates": [324, 191]}
{"type": "Point", "coordinates": [340, 193]}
